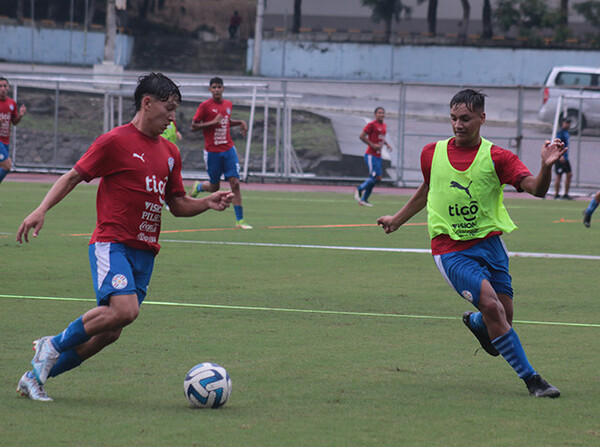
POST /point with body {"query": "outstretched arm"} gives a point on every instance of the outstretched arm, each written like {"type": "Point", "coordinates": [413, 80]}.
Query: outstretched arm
{"type": "Point", "coordinates": [22, 111]}
{"type": "Point", "coordinates": [242, 124]}
{"type": "Point", "coordinates": [416, 203]}
{"type": "Point", "coordinates": [198, 125]}
{"type": "Point", "coordinates": [538, 186]}
{"type": "Point", "coordinates": [185, 206]}
{"type": "Point", "coordinates": [63, 186]}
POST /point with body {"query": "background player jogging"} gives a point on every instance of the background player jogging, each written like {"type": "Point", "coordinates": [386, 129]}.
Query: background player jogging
{"type": "Point", "coordinates": [462, 188]}
{"type": "Point", "coordinates": [9, 114]}
{"type": "Point", "coordinates": [373, 135]}
{"type": "Point", "coordinates": [213, 117]}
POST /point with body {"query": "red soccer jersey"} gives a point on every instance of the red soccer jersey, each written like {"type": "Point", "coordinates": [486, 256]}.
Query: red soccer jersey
{"type": "Point", "coordinates": [8, 111]}
{"type": "Point", "coordinates": [138, 175]}
{"type": "Point", "coordinates": [216, 138]}
{"type": "Point", "coordinates": [375, 134]}
{"type": "Point", "coordinates": [509, 169]}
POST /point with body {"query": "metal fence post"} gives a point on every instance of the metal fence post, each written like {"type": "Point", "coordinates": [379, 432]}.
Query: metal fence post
{"type": "Point", "coordinates": [519, 121]}
{"type": "Point", "coordinates": [56, 98]}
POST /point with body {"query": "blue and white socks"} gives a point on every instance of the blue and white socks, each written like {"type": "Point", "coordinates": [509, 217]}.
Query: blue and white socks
{"type": "Point", "coordinates": [511, 349]}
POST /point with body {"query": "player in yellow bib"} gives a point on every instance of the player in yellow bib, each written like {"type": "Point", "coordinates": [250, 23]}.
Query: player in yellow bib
{"type": "Point", "coordinates": [464, 177]}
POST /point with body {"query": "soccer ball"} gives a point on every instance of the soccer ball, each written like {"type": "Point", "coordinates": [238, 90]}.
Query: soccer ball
{"type": "Point", "coordinates": [207, 385]}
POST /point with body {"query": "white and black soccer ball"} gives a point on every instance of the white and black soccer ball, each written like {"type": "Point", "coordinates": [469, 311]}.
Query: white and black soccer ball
{"type": "Point", "coordinates": [207, 385]}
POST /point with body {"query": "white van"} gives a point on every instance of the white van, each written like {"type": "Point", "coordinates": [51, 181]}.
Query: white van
{"type": "Point", "coordinates": [572, 81]}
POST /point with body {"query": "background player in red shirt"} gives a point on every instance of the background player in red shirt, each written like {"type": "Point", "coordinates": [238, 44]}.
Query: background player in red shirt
{"type": "Point", "coordinates": [140, 173]}
{"type": "Point", "coordinates": [9, 114]}
{"type": "Point", "coordinates": [213, 117]}
{"type": "Point", "coordinates": [373, 135]}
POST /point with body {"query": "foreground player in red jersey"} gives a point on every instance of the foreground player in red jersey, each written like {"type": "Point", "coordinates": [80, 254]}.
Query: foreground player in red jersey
{"type": "Point", "coordinates": [213, 117]}
{"type": "Point", "coordinates": [9, 114]}
{"type": "Point", "coordinates": [140, 173]}
{"type": "Point", "coordinates": [462, 189]}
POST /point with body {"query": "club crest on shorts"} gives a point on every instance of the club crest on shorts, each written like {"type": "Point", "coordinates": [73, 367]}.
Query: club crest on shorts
{"type": "Point", "coordinates": [467, 295]}
{"type": "Point", "coordinates": [119, 281]}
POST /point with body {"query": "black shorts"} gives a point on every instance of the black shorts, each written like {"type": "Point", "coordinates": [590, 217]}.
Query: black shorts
{"type": "Point", "coordinates": [562, 168]}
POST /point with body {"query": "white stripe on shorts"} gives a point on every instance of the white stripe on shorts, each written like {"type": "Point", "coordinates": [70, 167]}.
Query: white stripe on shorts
{"type": "Point", "coordinates": [102, 253]}
{"type": "Point", "coordinates": [438, 262]}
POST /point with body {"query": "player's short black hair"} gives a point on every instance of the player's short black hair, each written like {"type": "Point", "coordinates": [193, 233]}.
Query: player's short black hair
{"type": "Point", "coordinates": [2, 78]}
{"type": "Point", "coordinates": [157, 85]}
{"type": "Point", "coordinates": [377, 108]}
{"type": "Point", "coordinates": [473, 99]}
{"type": "Point", "coordinates": [216, 80]}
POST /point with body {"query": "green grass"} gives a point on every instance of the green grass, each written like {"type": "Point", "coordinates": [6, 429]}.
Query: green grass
{"type": "Point", "coordinates": [408, 376]}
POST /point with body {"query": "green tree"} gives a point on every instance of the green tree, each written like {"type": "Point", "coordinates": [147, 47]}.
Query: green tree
{"type": "Point", "coordinates": [486, 17]}
{"type": "Point", "coordinates": [463, 25]}
{"type": "Point", "coordinates": [297, 23]}
{"type": "Point", "coordinates": [529, 17]}
{"type": "Point", "coordinates": [432, 7]}
{"type": "Point", "coordinates": [590, 10]}
{"type": "Point", "coordinates": [387, 10]}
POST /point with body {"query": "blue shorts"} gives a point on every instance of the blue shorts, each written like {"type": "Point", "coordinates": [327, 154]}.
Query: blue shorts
{"type": "Point", "coordinates": [119, 270]}
{"type": "Point", "coordinates": [374, 164]}
{"type": "Point", "coordinates": [4, 154]}
{"type": "Point", "coordinates": [465, 270]}
{"type": "Point", "coordinates": [220, 164]}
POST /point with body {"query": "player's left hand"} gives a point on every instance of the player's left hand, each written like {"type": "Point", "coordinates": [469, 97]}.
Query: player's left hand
{"type": "Point", "coordinates": [22, 110]}
{"type": "Point", "coordinates": [243, 128]}
{"type": "Point", "coordinates": [552, 151]}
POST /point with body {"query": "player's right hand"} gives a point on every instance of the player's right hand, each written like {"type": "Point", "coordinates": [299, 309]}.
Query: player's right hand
{"type": "Point", "coordinates": [35, 220]}
{"type": "Point", "coordinates": [387, 224]}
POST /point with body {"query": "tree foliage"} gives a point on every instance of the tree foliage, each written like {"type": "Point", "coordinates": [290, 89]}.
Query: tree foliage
{"type": "Point", "coordinates": [387, 11]}
{"type": "Point", "coordinates": [531, 17]}
{"type": "Point", "coordinates": [590, 10]}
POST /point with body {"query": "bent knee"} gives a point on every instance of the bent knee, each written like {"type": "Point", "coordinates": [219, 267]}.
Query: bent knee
{"type": "Point", "coordinates": [106, 338]}
{"type": "Point", "coordinates": [128, 317]}
{"type": "Point", "coordinates": [6, 164]}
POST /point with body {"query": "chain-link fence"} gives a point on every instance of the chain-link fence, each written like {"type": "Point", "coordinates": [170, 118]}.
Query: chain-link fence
{"type": "Point", "coordinates": [301, 130]}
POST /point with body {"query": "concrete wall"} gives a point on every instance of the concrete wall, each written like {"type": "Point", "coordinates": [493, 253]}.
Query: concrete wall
{"type": "Point", "coordinates": [58, 46]}
{"type": "Point", "coordinates": [427, 64]}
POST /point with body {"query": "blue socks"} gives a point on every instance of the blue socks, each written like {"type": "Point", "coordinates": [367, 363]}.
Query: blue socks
{"type": "Point", "coordinates": [3, 173]}
{"type": "Point", "coordinates": [367, 187]}
{"type": "Point", "coordinates": [591, 207]}
{"type": "Point", "coordinates": [67, 360]}
{"type": "Point", "coordinates": [239, 212]}
{"type": "Point", "coordinates": [511, 349]}
{"type": "Point", "coordinates": [73, 336]}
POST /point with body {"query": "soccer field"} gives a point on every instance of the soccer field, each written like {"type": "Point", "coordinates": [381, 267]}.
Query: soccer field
{"type": "Point", "coordinates": [334, 334]}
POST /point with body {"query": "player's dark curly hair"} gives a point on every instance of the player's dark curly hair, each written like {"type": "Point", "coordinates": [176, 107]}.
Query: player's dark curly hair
{"type": "Point", "coordinates": [157, 85]}
{"type": "Point", "coordinates": [473, 99]}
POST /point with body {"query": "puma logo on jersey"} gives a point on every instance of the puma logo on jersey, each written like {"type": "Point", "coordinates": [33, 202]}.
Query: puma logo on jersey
{"type": "Point", "coordinates": [141, 157]}
{"type": "Point", "coordinates": [454, 184]}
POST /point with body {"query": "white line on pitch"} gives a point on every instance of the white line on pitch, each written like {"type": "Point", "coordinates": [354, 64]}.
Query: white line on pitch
{"type": "Point", "coordinates": [289, 310]}
{"type": "Point", "coordinates": [514, 254]}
